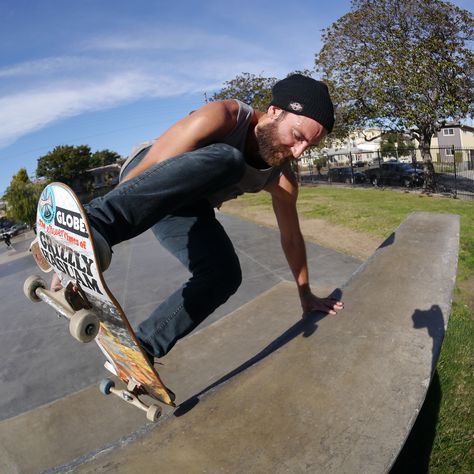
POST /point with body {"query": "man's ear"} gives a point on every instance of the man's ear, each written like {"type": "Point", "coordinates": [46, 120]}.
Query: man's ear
{"type": "Point", "coordinates": [274, 112]}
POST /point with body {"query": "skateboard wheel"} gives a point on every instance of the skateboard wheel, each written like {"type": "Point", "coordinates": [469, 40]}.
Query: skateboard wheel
{"type": "Point", "coordinates": [84, 325]}
{"type": "Point", "coordinates": [153, 412]}
{"type": "Point", "coordinates": [106, 385]}
{"type": "Point", "coordinates": [32, 283]}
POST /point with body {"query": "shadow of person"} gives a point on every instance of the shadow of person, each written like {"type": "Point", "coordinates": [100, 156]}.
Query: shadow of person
{"type": "Point", "coordinates": [431, 319]}
{"type": "Point", "coordinates": [305, 327]}
{"type": "Point", "coordinates": [415, 455]}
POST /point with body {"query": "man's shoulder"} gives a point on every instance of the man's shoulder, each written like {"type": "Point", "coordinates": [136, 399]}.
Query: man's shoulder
{"type": "Point", "coordinates": [231, 107]}
{"type": "Point", "coordinates": [224, 109]}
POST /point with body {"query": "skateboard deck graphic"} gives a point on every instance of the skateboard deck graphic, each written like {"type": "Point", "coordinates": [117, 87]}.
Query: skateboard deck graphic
{"type": "Point", "coordinates": [64, 242]}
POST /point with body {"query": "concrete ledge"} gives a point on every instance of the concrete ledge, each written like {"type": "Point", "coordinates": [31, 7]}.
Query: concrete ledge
{"type": "Point", "coordinates": [279, 394]}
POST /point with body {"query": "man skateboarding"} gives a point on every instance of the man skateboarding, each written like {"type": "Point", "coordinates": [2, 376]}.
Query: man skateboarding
{"type": "Point", "coordinates": [173, 184]}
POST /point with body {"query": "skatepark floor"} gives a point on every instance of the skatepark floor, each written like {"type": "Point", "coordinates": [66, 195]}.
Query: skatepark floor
{"type": "Point", "coordinates": [259, 388]}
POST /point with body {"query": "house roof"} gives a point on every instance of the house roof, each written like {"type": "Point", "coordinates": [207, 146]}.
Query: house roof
{"type": "Point", "coordinates": [466, 128]}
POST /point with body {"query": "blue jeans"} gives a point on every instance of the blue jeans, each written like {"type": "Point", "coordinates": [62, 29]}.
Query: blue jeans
{"type": "Point", "coordinates": [170, 197]}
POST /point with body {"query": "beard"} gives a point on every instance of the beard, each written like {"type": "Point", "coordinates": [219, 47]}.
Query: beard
{"type": "Point", "coordinates": [273, 155]}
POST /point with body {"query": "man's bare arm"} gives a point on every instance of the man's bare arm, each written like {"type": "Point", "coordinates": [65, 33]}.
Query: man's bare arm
{"type": "Point", "coordinates": [284, 196]}
{"type": "Point", "coordinates": [209, 124]}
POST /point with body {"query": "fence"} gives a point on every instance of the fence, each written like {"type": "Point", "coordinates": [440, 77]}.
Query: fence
{"type": "Point", "coordinates": [453, 170]}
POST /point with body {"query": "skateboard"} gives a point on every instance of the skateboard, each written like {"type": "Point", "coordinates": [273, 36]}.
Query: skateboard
{"type": "Point", "coordinates": [64, 244]}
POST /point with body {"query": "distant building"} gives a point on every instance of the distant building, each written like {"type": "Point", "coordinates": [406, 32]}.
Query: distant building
{"type": "Point", "coordinates": [362, 144]}
{"type": "Point", "coordinates": [97, 181]}
{"type": "Point", "coordinates": [104, 176]}
{"type": "Point", "coordinates": [456, 135]}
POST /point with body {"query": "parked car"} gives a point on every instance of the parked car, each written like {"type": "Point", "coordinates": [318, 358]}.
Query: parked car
{"type": "Point", "coordinates": [345, 175]}
{"type": "Point", "coordinates": [14, 229]}
{"type": "Point", "coordinates": [395, 173]}
{"type": "Point", "coordinates": [5, 231]}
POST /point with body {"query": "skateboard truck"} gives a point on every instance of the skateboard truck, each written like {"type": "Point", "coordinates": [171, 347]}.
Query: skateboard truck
{"type": "Point", "coordinates": [83, 323]}
{"type": "Point", "coordinates": [130, 395]}
{"type": "Point", "coordinates": [76, 297]}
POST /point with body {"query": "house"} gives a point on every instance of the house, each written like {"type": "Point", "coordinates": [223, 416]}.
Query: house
{"type": "Point", "coordinates": [104, 176]}
{"type": "Point", "coordinates": [456, 135]}
{"type": "Point", "coordinates": [97, 181]}
{"type": "Point", "coordinates": [362, 145]}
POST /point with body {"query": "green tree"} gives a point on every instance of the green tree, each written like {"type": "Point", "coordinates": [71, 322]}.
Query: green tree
{"type": "Point", "coordinates": [65, 163]}
{"type": "Point", "coordinates": [21, 177]}
{"type": "Point", "coordinates": [253, 90]}
{"type": "Point", "coordinates": [22, 197]}
{"type": "Point", "coordinates": [402, 65]}
{"type": "Point", "coordinates": [103, 158]}
{"type": "Point", "coordinates": [68, 164]}
{"type": "Point", "coordinates": [394, 144]}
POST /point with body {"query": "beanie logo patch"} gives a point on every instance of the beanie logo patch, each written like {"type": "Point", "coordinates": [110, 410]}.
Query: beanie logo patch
{"type": "Point", "coordinates": [296, 106]}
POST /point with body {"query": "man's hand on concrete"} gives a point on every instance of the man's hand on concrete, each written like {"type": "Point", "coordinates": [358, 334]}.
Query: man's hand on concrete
{"type": "Point", "coordinates": [311, 303]}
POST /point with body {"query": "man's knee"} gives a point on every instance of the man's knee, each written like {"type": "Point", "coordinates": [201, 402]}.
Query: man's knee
{"type": "Point", "coordinates": [230, 158]}
{"type": "Point", "coordinates": [229, 279]}
{"type": "Point", "coordinates": [223, 279]}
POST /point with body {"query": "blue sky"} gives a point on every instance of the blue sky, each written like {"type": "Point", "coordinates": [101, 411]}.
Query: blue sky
{"type": "Point", "coordinates": [110, 74]}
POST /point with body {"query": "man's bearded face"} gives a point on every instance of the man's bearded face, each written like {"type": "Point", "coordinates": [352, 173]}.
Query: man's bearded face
{"type": "Point", "coordinates": [267, 138]}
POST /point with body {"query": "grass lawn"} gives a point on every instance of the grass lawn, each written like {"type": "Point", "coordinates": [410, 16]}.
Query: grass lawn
{"type": "Point", "coordinates": [442, 440]}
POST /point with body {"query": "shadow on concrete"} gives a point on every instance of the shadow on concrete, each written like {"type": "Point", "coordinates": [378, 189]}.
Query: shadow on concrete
{"type": "Point", "coordinates": [306, 327]}
{"type": "Point", "coordinates": [431, 319]}
{"type": "Point", "coordinates": [390, 240]}
{"type": "Point", "coordinates": [416, 453]}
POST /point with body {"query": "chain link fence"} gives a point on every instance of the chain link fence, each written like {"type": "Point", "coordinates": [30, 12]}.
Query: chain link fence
{"type": "Point", "coordinates": [453, 170]}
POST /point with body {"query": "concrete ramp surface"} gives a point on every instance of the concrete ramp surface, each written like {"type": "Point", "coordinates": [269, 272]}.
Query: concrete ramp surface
{"type": "Point", "coordinates": [334, 394]}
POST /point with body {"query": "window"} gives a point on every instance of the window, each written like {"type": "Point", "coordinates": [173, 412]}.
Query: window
{"type": "Point", "coordinates": [448, 152]}
{"type": "Point", "coordinates": [448, 131]}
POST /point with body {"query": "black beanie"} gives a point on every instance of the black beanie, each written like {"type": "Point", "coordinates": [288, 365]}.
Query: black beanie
{"type": "Point", "coordinates": [303, 95]}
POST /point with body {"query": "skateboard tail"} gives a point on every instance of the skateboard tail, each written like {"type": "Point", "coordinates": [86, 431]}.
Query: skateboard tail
{"type": "Point", "coordinates": [128, 365]}
{"type": "Point", "coordinates": [40, 260]}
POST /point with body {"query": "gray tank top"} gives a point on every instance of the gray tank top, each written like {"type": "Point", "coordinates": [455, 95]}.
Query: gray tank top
{"type": "Point", "coordinates": [253, 181]}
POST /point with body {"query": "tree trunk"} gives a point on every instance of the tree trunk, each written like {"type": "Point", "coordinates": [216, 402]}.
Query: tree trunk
{"type": "Point", "coordinates": [429, 185]}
